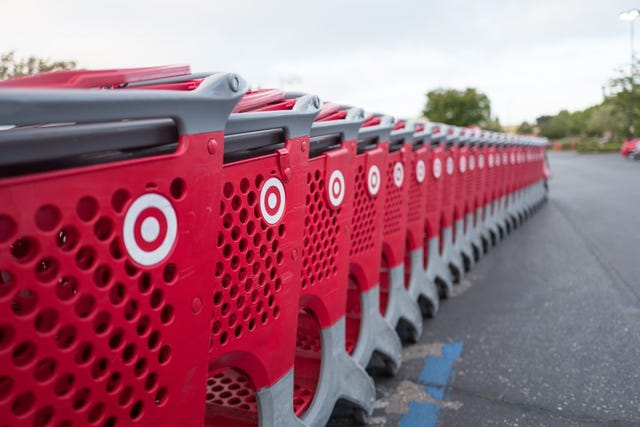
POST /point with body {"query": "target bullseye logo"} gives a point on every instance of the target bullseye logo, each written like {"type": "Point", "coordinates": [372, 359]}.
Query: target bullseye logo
{"type": "Point", "coordinates": [513, 159]}
{"type": "Point", "coordinates": [272, 200]}
{"type": "Point", "coordinates": [373, 180]}
{"type": "Point", "coordinates": [481, 161]}
{"type": "Point", "coordinates": [490, 161]}
{"type": "Point", "coordinates": [505, 159]}
{"type": "Point", "coordinates": [421, 171]}
{"type": "Point", "coordinates": [498, 159]}
{"type": "Point", "coordinates": [398, 174]}
{"type": "Point", "coordinates": [336, 188]}
{"type": "Point", "coordinates": [462, 164]}
{"type": "Point", "coordinates": [472, 162]}
{"type": "Point", "coordinates": [150, 229]}
{"type": "Point", "coordinates": [449, 166]}
{"type": "Point", "coordinates": [437, 168]}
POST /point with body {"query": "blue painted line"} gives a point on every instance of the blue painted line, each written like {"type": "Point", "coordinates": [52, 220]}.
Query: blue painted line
{"type": "Point", "coordinates": [435, 375]}
{"type": "Point", "coordinates": [437, 369]}
{"type": "Point", "coordinates": [420, 415]}
{"type": "Point", "coordinates": [436, 392]}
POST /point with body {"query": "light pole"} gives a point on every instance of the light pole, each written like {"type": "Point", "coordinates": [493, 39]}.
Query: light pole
{"type": "Point", "coordinates": [631, 15]}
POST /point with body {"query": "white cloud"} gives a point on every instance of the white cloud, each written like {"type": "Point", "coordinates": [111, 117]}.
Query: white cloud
{"type": "Point", "coordinates": [531, 57]}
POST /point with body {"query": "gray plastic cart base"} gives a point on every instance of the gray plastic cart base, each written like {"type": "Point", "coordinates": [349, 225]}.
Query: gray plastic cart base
{"type": "Point", "coordinates": [478, 234]}
{"type": "Point", "coordinates": [340, 378]}
{"type": "Point", "coordinates": [438, 268]}
{"type": "Point", "coordinates": [460, 246]}
{"type": "Point", "coordinates": [376, 334]}
{"type": "Point", "coordinates": [491, 225]}
{"type": "Point", "coordinates": [275, 404]}
{"type": "Point", "coordinates": [469, 237]}
{"type": "Point", "coordinates": [452, 255]}
{"type": "Point", "coordinates": [420, 286]}
{"type": "Point", "coordinates": [400, 304]}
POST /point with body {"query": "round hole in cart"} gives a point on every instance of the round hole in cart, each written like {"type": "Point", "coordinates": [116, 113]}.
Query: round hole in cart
{"type": "Point", "coordinates": [63, 385]}
{"type": "Point", "coordinates": [24, 353]}
{"type": "Point", "coordinates": [47, 269]}
{"type": "Point", "coordinates": [119, 200]}
{"type": "Point", "coordinates": [43, 416]}
{"type": "Point", "coordinates": [44, 370]}
{"type": "Point", "coordinates": [85, 257]}
{"type": "Point", "coordinates": [7, 228]}
{"type": "Point", "coordinates": [46, 320]}
{"type": "Point", "coordinates": [178, 188]}
{"type": "Point", "coordinates": [67, 238]}
{"type": "Point", "coordinates": [47, 217]}
{"type": "Point", "coordinates": [87, 208]}
{"type": "Point", "coordinates": [103, 228]}
{"type": "Point", "coordinates": [7, 334]}
{"type": "Point", "coordinates": [24, 249]}
{"type": "Point", "coordinates": [308, 361]}
{"type": "Point", "coordinates": [66, 288]}
{"type": "Point", "coordinates": [6, 386]}
{"type": "Point", "coordinates": [23, 403]}
{"type": "Point", "coordinates": [24, 302]}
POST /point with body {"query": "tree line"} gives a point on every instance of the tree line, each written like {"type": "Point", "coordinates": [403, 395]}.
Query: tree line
{"type": "Point", "coordinates": [616, 117]}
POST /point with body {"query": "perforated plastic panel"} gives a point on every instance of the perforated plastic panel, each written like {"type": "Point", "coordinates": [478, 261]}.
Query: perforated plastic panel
{"type": "Point", "coordinates": [435, 189]}
{"type": "Point", "coordinates": [459, 153]}
{"type": "Point", "coordinates": [89, 335]}
{"type": "Point", "coordinates": [322, 231]}
{"type": "Point", "coordinates": [257, 266]}
{"type": "Point", "coordinates": [248, 271]}
{"type": "Point", "coordinates": [366, 238]}
{"type": "Point", "coordinates": [364, 215]}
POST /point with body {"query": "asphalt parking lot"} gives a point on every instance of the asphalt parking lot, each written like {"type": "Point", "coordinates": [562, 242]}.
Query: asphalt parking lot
{"type": "Point", "coordinates": [545, 330]}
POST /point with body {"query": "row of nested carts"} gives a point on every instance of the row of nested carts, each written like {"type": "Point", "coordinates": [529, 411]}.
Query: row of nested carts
{"type": "Point", "coordinates": [177, 250]}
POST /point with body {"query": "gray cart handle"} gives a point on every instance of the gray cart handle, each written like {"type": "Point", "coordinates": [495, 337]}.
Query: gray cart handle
{"type": "Point", "coordinates": [204, 109]}
{"type": "Point", "coordinates": [295, 122]}
{"type": "Point", "coordinates": [347, 128]}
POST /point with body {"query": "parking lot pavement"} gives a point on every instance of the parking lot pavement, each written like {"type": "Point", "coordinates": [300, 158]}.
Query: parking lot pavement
{"type": "Point", "coordinates": [547, 330]}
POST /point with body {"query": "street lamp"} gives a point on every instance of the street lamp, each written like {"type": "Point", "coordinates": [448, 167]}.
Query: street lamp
{"type": "Point", "coordinates": [631, 15]}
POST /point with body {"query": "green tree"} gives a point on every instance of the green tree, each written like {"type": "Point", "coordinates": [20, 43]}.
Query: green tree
{"type": "Point", "coordinates": [605, 118]}
{"type": "Point", "coordinates": [11, 66]}
{"type": "Point", "coordinates": [460, 107]}
{"type": "Point", "coordinates": [524, 129]}
{"type": "Point", "coordinates": [624, 96]}
{"type": "Point", "coordinates": [557, 126]}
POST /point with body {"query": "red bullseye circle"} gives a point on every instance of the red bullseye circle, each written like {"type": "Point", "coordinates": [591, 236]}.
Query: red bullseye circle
{"type": "Point", "coordinates": [150, 218]}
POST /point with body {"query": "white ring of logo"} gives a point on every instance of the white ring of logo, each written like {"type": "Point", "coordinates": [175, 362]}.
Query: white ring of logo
{"type": "Point", "coordinates": [505, 159]}
{"type": "Point", "coordinates": [269, 200]}
{"type": "Point", "coordinates": [437, 168]}
{"type": "Point", "coordinates": [398, 174]}
{"type": "Point", "coordinates": [481, 161]}
{"type": "Point", "coordinates": [373, 180]}
{"type": "Point", "coordinates": [336, 181]}
{"type": "Point", "coordinates": [490, 161]}
{"type": "Point", "coordinates": [463, 164]}
{"type": "Point", "coordinates": [498, 159]}
{"type": "Point", "coordinates": [472, 162]}
{"type": "Point", "coordinates": [421, 171]}
{"type": "Point", "coordinates": [449, 165]}
{"type": "Point", "coordinates": [150, 229]}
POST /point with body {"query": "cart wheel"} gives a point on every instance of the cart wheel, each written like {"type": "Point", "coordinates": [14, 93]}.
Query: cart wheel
{"type": "Point", "coordinates": [362, 417]}
{"type": "Point", "coordinates": [391, 368]}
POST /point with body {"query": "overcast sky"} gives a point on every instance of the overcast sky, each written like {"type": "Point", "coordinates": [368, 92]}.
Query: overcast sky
{"type": "Point", "coordinates": [531, 57]}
